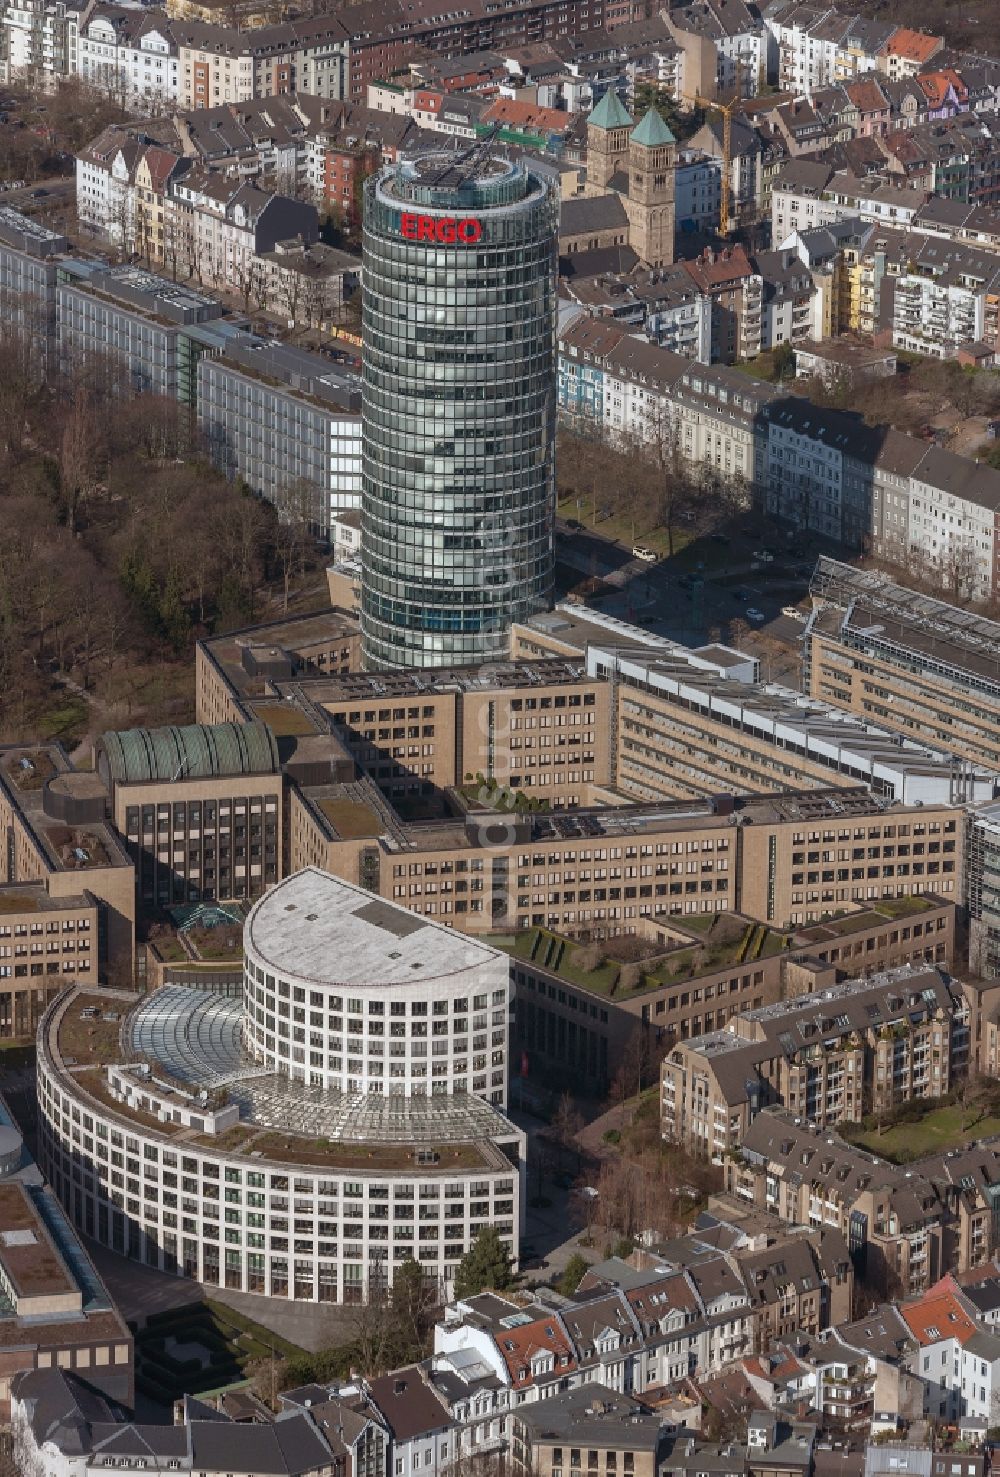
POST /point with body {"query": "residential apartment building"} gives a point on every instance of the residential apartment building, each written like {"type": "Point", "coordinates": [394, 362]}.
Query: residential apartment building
{"type": "Point", "coordinates": [39, 42]}
{"type": "Point", "coordinates": [216, 64]}
{"type": "Point", "coordinates": [946, 300]}
{"type": "Point", "coordinates": [814, 45]}
{"type": "Point", "coordinates": [806, 193]}
{"type": "Point", "coordinates": [723, 46]}
{"type": "Point", "coordinates": [907, 52]}
{"type": "Point", "coordinates": [222, 227]}
{"type": "Point", "coordinates": [798, 1286]}
{"type": "Point", "coordinates": [611, 1428]}
{"type": "Point", "coordinates": [819, 469]}
{"type": "Point", "coordinates": [892, 1219]}
{"type": "Point", "coordinates": [957, 1359]}
{"type": "Point", "coordinates": [204, 1438]}
{"type": "Point", "coordinates": [131, 56]}
{"type": "Point", "coordinates": [844, 1052]}
{"type": "Point", "coordinates": [610, 381]}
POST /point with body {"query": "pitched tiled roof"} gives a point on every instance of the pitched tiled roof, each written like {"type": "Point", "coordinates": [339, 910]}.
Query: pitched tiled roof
{"type": "Point", "coordinates": [916, 46]}
{"type": "Point", "coordinates": [409, 1405]}
{"type": "Point", "coordinates": [936, 1317]}
{"type": "Point", "coordinates": [519, 1345]}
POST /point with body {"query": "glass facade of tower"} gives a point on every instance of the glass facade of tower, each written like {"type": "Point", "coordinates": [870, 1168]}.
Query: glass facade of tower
{"type": "Point", "coordinates": [458, 492]}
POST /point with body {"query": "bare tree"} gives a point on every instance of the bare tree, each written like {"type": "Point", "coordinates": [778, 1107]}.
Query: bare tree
{"type": "Point", "coordinates": [299, 515]}
{"type": "Point", "coordinates": [567, 1121]}
{"type": "Point", "coordinates": [249, 279]}
{"type": "Point", "coordinates": [289, 294]}
{"type": "Point", "coordinates": [81, 445]}
{"type": "Point", "coordinates": [317, 300]}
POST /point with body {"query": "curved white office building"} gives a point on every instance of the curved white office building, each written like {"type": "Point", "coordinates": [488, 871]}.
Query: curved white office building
{"type": "Point", "coordinates": [347, 992]}
{"type": "Point", "coordinates": [303, 1142]}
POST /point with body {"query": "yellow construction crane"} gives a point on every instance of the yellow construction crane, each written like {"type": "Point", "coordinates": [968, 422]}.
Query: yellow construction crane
{"type": "Point", "coordinates": [727, 110]}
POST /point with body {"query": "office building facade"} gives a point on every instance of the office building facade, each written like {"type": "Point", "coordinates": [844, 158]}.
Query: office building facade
{"type": "Point", "coordinates": [458, 419]}
{"type": "Point", "coordinates": [195, 1139]}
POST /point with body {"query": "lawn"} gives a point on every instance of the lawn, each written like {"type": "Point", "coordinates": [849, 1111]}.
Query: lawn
{"type": "Point", "coordinates": [621, 527]}
{"type": "Point", "coordinates": [941, 1129]}
{"type": "Point", "coordinates": [169, 949]}
{"type": "Point", "coordinates": [902, 907]}
{"type": "Point", "coordinates": [284, 720]}
{"type": "Point", "coordinates": [351, 820]}
{"type": "Point", "coordinates": [550, 951]}
{"type": "Point", "coordinates": [725, 939]}
{"type": "Point", "coordinates": [65, 718]}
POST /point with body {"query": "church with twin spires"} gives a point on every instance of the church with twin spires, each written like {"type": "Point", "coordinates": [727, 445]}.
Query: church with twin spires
{"type": "Point", "coordinates": [637, 163]}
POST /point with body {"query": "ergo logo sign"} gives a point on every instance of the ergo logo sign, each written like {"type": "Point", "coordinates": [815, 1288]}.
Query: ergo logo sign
{"type": "Point", "coordinates": [444, 229]}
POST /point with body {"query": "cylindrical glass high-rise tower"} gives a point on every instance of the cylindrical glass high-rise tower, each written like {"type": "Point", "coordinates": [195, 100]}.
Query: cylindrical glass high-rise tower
{"type": "Point", "coordinates": [458, 491]}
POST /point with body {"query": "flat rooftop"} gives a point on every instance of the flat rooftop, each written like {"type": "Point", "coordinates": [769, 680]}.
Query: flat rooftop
{"type": "Point", "coordinates": [956, 644]}
{"type": "Point", "coordinates": [371, 686]}
{"type": "Point", "coordinates": [169, 303]}
{"type": "Point", "coordinates": [841, 740]}
{"type": "Point", "coordinates": [316, 927]}
{"type": "Point", "coordinates": [32, 897]}
{"type": "Point", "coordinates": [195, 1040]}
{"type": "Point", "coordinates": [307, 374]}
{"type": "Point", "coordinates": [300, 636]}
{"type": "Point", "coordinates": [24, 771]}
{"type": "Point", "coordinates": [845, 351]}
{"type": "Point", "coordinates": [31, 1263]}
{"type": "Point", "coordinates": [28, 235]}
{"type": "Point", "coordinates": [656, 817]}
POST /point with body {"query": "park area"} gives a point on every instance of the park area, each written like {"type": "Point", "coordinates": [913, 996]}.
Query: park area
{"type": "Point", "coordinates": [913, 1136]}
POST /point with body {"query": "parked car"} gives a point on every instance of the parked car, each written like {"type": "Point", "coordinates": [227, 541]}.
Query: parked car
{"type": "Point", "coordinates": [755, 615]}
{"type": "Point", "coordinates": [648, 556]}
{"type": "Point", "coordinates": [793, 612]}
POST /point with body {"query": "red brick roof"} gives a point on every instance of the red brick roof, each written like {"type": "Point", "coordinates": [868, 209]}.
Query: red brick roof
{"type": "Point", "coordinates": [938, 1316]}
{"type": "Point", "coordinates": [716, 269]}
{"type": "Point", "coordinates": [516, 113]}
{"type": "Point", "coordinates": [916, 46]}
{"type": "Point", "coordinates": [866, 94]}
{"type": "Point", "coordinates": [518, 1346]}
{"type": "Point", "coordinates": [934, 86]}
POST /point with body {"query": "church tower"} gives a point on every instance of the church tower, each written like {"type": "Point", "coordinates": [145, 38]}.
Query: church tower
{"type": "Point", "coordinates": [651, 185]}
{"type": "Point", "coordinates": [608, 129]}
